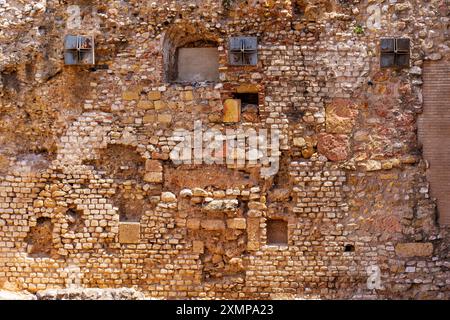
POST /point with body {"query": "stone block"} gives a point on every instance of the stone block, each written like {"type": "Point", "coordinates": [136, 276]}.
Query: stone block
{"type": "Point", "coordinates": [129, 232]}
{"type": "Point", "coordinates": [145, 105]}
{"type": "Point", "coordinates": [341, 116]}
{"type": "Point", "coordinates": [372, 165]}
{"type": "Point", "coordinates": [334, 147]}
{"type": "Point", "coordinates": [187, 96]}
{"type": "Point", "coordinates": [149, 118]}
{"type": "Point", "coordinates": [168, 197]}
{"type": "Point", "coordinates": [198, 192]}
{"type": "Point", "coordinates": [232, 111]}
{"type": "Point", "coordinates": [252, 245]}
{"type": "Point", "coordinates": [198, 246]}
{"type": "Point", "coordinates": [154, 95]}
{"type": "Point", "coordinates": [213, 224]}
{"type": "Point", "coordinates": [160, 105]}
{"type": "Point", "coordinates": [193, 223]}
{"type": "Point", "coordinates": [164, 118]}
{"type": "Point", "coordinates": [237, 223]}
{"type": "Point", "coordinates": [130, 95]}
{"type": "Point", "coordinates": [153, 177]}
{"type": "Point", "coordinates": [299, 142]}
{"type": "Point", "coordinates": [247, 88]}
{"type": "Point", "coordinates": [409, 250]}
{"type": "Point", "coordinates": [153, 165]}
{"type": "Point", "coordinates": [253, 233]}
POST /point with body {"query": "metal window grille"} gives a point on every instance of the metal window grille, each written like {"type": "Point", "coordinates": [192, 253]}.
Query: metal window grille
{"type": "Point", "coordinates": [243, 51]}
{"type": "Point", "coordinates": [395, 52]}
{"type": "Point", "coordinates": [79, 50]}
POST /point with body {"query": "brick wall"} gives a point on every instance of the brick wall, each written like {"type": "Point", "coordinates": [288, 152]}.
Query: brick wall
{"type": "Point", "coordinates": [434, 133]}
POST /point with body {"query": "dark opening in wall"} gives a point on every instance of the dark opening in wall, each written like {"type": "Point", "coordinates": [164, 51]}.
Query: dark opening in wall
{"type": "Point", "coordinates": [40, 239]}
{"type": "Point", "coordinates": [298, 8]}
{"type": "Point", "coordinates": [75, 219]}
{"type": "Point", "coordinates": [132, 204]}
{"type": "Point", "coordinates": [249, 106]}
{"type": "Point", "coordinates": [349, 248]}
{"type": "Point", "coordinates": [277, 232]}
{"type": "Point", "coordinates": [10, 81]}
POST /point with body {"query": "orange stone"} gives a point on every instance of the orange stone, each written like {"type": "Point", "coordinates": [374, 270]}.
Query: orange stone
{"type": "Point", "coordinates": [232, 111]}
{"type": "Point", "coordinates": [247, 88]}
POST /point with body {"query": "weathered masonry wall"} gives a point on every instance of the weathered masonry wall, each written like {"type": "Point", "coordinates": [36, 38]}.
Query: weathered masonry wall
{"type": "Point", "coordinates": [89, 196]}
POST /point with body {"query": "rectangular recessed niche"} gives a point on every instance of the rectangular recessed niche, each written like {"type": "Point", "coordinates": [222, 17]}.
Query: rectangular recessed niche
{"type": "Point", "coordinates": [198, 64]}
{"type": "Point", "coordinates": [277, 232]}
{"type": "Point", "coordinates": [249, 106]}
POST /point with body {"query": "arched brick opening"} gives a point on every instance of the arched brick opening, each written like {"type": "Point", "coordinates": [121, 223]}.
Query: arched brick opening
{"type": "Point", "coordinates": [187, 36]}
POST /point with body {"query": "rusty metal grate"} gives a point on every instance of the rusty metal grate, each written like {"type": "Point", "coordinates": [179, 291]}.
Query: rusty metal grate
{"type": "Point", "coordinates": [395, 52]}
{"type": "Point", "coordinates": [79, 50]}
{"type": "Point", "coordinates": [243, 51]}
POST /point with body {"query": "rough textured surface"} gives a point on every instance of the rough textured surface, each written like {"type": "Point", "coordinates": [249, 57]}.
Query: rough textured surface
{"type": "Point", "coordinates": [86, 148]}
{"type": "Point", "coordinates": [10, 295]}
{"type": "Point", "coordinates": [90, 294]}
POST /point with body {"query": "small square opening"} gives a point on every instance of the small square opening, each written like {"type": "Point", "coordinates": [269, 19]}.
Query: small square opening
{"type": "Point", "coordinates": [249, 106]}
{"type": "Point", "coordinates": [277, 232]}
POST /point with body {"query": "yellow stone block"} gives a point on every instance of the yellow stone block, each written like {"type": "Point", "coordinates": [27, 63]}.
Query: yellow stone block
{"type": "Point", "coordinates": [165, 118]}
{"type": "Point", "coordinates": [252, 246]}
{"type": "Point", "coordinates": [232, 111]}
{"type": "Point", "coordinates": [149, 118]}
{"type": "Point", "coordinates": [409, 250]}
{"type": "Point", "coordinates": [187, 95]}
{"type": "Point", "coordinates": [198, 246]}
{"type": "Point", "coordinates": [237, 223]}
{"type": "Point", "coordinates": [129, 232]}
{"type": "Point", "coordinates": [145, 105]}
{"type": "Point", "coordinates": [130, 95]}
{"type": "Point", "coordinates": [193, 223]}
{"type": "Point", "coordinates": [153, 177]}
{"type": "Point", "coordinates": [154, 95]}
{"type": "Point", "coordinates": [49, 203]}
{"type": "Point", "coordinates": [160, 105]}
{"type": "Point", "coordinates": [247, 88]}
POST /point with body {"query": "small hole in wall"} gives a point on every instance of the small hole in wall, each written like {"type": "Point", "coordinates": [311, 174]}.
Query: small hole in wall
{"type": "Point", "coordinates": [75, 219]}
{"type": "Point", "coordinates": [40, 239]}
{"type": "Point", "coordinates": [349, 248]}
{"type": "Point", "coordinates": [298, 9]}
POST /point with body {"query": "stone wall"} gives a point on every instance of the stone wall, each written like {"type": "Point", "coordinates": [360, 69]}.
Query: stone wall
{"type": "Point", "coordinates": [90, 197]}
